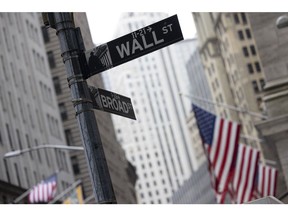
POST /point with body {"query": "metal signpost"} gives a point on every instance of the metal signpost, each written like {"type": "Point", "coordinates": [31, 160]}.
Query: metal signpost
{"type": "Point", "coordinates": [80, 65]}
{"type": "Point", "coordinates": [111, 102]}
{"type": "Point", "coordinates": [133, 45]}
{"type": "Point", "coordinates": [72, 47]}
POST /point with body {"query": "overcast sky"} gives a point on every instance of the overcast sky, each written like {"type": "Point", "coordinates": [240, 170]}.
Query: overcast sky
{"type": "Point", "coordinates": [103, 25]}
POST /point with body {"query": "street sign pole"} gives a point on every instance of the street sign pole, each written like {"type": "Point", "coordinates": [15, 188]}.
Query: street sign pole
{"type": "Point", "coordinates": [72, 50]}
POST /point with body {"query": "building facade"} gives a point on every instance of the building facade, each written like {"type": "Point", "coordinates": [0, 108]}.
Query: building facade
{"type": "Point", "coordinates": [29, 114]}
{"type": "Point", "coordinates": [115, 156]}
{"type": "Point", "coordinates": [233, 69]}
{"type": "Point", "coordinates": [272, 46]}
{"type": "Point", "coordinates": [158, 142]}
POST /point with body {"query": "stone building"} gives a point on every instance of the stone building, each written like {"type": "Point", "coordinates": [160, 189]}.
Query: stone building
{"type": "Point", "coordinates": [29, 114]}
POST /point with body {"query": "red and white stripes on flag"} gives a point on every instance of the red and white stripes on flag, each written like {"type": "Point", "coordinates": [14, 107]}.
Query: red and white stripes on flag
{"type": "Point", "coordinates": [220, 138]}
{"type": "Point", "coordinates": [44, 192]}
{"type": "Point", "coordinates": [245, 174]}
{"type": "Point", "coordinates": [267, 178]}
{"type": "Point", "coordinates": [222, 154]}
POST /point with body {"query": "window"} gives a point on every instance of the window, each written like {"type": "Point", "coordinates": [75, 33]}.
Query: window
{"type": "Point", "coordinates": [38, 151]}
{"type": "Point", "coordinates": [255, 86]}
{"type": "Point", "coordinates": [248, 33]}
{"type": "Point", "coordinates": [19, 139]}
{"type": "Point", "coordinates": [236, 18]}
{"type": "Point", "coordinates": [250, 68]}
{"type": "Point", "coordinates": [69, 138]}
{"type": "Point", "coordinates": [244, 19]}
{"type": "Point", "coordinates": [47, 157]}
{"type": "Point", "coordinates": [253, 50]}
{"type": "Point", "coordinates": [17, 174]}
{"type": "Point", "coordinates": [45, 34]}
{"type": "Point", "coordinates": [63, 111]}
{"type": "Point", "coordinates": [245, 51]}
{"type": "Point", "coordinates": [75, 165]}
{"type": "Point", "coordinates": [57, 85]}
{"type": "Point", "coordinates": [29, 146]}
{"type": "Point", "coordinates": [6, 170]}
{"type": "Point", "coordinates": [51, 59]}
{"type": "Point", "coordinates": [258, 68]}
{"type": "Point", "coordinates": [9, 137]}
{"type": "Point", "coordinates": [262, 83]}
{"type": "Point", "coordinates": [240, 35]}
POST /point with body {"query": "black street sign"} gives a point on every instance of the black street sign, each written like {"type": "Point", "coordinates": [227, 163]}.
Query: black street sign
{"type": "Point", "coordinates": [111, 102]}
{"type": "Point", "coordinates": [133, 45]}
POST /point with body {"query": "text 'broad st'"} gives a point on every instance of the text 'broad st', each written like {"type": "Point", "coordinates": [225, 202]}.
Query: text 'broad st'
{"type": "Point", "coordinates": [133, 45]}
{"type": "Point", "coordinates": [111, 102]}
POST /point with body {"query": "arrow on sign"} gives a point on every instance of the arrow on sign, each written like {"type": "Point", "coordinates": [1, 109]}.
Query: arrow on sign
{"type": "Point", "coordinates": [131, 46]}
{"type": "Point", "coordinates": [111, 102]}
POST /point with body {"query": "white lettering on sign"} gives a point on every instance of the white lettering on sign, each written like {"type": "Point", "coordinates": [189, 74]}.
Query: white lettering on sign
{"type": "Point", "coordinates": [114, 104]}
{"type": "Point", "coordinates": [124, 49]}
{"type": "Point", "coordinates": [165, 30]}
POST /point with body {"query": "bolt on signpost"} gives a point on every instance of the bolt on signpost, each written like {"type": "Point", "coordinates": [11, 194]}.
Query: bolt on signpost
{"type": "Point", "coordinates": [81, 65]}
{"type": "Point", "coordinates": [72, 50]}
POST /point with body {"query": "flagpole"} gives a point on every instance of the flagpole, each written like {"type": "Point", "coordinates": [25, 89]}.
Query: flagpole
{"type": "Point", "coordinates": [244, 111]}
{"type": "Point", "coordinates": [22, 196]}
{"type": "Point", "coordinates": [75, 184]}
{"type": "Point", "coordinates": [237, 109]}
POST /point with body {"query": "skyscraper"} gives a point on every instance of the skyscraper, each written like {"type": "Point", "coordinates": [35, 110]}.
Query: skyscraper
{"type": "Point", "coordinates": [29, 115]}
{"type": "Point", "coordinates": [157, 143]}
{"type": "Point", "coordinates": [115, 156]}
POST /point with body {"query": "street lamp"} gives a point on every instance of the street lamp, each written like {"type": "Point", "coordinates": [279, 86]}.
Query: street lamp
{"type": "Point", "coordinates": [19, 152]}
{"type": "Point", "coordinates": [282, 21]}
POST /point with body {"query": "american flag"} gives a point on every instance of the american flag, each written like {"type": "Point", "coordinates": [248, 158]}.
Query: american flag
{"type": "Point", "coordinates": [266, 181]}
{"type": "Point", "coordinates": [244, 178]}
{"type": "Point", "coordinates": [44, 191]}
{"type": "Point", "coordinates": [220, 138]}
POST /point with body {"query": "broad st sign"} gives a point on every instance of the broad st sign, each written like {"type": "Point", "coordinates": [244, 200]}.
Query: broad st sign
{"type": "Point", "coordinates": [133, 45]}
{"type": "Point", "coordinates": [111, 102]}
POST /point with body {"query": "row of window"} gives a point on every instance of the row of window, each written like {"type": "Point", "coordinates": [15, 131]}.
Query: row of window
{"type": "Point", "coordinates": [256, 87]}
{"type": "Point", "coordinates": [32, 32]}
{"type": "Point", "coordinates": [53, 126]}
{"type": "Point", "coordinates": [254, 67]}
{"type": "Point", "coordinates": [46, 94]}
{"type": "Point", "coordinates": [247, 33]}
{"type": "Point", "coordinates": [39, 61]}
{"type": "Point", "coordinates": [63, 111]}
{"type": "Point", "coordinates": [252, 51]}
{"type": "Point", "coordinates": [51, 59]}
{"type": "Point", "coordinates": [240, 18]}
